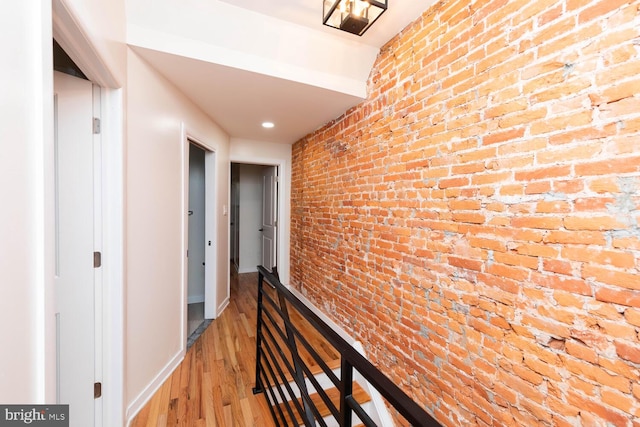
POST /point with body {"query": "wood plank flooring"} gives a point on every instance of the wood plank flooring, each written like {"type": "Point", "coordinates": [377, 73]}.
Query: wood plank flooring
{"type": "Point", "coordinates": [212, 386]}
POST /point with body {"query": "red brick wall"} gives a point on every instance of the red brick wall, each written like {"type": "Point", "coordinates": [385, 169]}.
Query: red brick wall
{"type": "Point", "coordinates": [474, 222]}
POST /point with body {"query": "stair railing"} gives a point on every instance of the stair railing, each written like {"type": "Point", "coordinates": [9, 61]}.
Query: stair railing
{"type": "Point", "coordinates": [287, 380]}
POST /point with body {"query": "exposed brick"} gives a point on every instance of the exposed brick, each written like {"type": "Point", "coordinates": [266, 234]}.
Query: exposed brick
{"type": "Point", "coordinates": [632, 316]}
{"type": "Point", "coordinates": [474, 220]}
{"type": "Point", "coordinates": [611, 166]}
{"type": "Point", "coordinates": [628, 352]}
{"type": "Point", "coordinates": [600, 8]}
{"type": "Point", "coordinates": [593, 223]}
{"type": "Point", "coordinates": [618, 400]}
{"type": "Point", "coordinates": [576, 237]}
{"type": "Point", "coordinates": [612, 277]}
{"type": "Point", "coordinates": [605, 257]}
{"type": "Point", "coordinates": [622, 297]}
{"type": "Point", "coordinates": [596, 412]}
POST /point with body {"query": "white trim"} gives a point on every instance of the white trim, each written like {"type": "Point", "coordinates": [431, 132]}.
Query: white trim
{"type": "Point", "coordinates": [98, 221]}
{"type": "Point", "coordinates": [70, 34]}
{"type": "Point", "coordinates": [189, 135]}
{"type": "Point", "coordinates": [113, 254]}
{"type": "Point", "coordinates": [380, 414]}
{"type": "Point", "coordinates": [43, 204]}
{"type": "Point", "coordinates": [195, 299]}
{"type": "Point", "coordinates": [184, 226]}
{"type": "Point", "coordinates": [333, 325]}
{"type": "Point", "coordinates": [147, 393]}
{"type": "Point", "coordinates": [224, 304]}
{"type": "Point", "coordinates": [212, 220]}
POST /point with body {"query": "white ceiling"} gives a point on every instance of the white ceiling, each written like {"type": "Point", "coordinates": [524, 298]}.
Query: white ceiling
{"type": "Point", "coordinates": [308, 13]}
{"type": "Point", "coordinates": [239, 100]}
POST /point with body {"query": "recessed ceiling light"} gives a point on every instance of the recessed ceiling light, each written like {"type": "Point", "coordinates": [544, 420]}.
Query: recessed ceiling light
{"type": "Point", "coordinates": [267, 125]}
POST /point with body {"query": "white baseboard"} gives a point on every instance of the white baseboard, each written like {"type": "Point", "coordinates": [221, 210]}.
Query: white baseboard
{"type": "Point", "coordinates": [146, 394]}
{"type": "Point", "coordinates": [195, 299]}
{"type": "Point", "coordinates": [379, 412]}
{"type": "Point", "coordinates": [222, 306]}
{"type": "Point", "coordinates": [333, 325]}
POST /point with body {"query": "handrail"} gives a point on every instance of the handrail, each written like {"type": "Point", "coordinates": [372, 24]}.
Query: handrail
{"type": "Point", "coordinates": [351, 359]}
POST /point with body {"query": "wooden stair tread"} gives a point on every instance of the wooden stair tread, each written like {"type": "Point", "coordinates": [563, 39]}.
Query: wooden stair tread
{"type": "Point", "coordinates": [316, 369]}
{"type": "Point", "coordinates": [359, 394]}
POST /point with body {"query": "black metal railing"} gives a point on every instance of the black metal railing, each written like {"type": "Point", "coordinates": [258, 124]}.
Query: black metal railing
{"type": "Point", "coordinates": [284, 360]}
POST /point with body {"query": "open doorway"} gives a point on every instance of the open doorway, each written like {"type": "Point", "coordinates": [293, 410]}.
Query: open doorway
{"type": "Point", "coordinates": [254, 213]}
{"type": "Point", "coordinates": [201, 293]}
{"type": "Point", "coordinates": [196, 229]}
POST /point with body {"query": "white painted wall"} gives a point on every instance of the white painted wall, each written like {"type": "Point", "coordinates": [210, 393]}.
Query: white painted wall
{"type": "Point", "coordinates": [26, 124]}
{"type": "Point", "coordinates": [155, 112]}
{"type": "Point", "coordinates": [250, 195]}
{"type": "Point", "coordinates": [264, 153]}
{"type": "Point", "coordinates": [154, 224]}
{"type": "Point", "coordinates": [27, 323]}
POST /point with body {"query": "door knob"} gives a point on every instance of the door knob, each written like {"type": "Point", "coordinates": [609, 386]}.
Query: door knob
{"type": "Point", "coordinates": [262, 229]}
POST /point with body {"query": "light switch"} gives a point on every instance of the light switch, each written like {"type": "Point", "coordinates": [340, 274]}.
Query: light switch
{"type": "Point", "coordinates": [224, 210]}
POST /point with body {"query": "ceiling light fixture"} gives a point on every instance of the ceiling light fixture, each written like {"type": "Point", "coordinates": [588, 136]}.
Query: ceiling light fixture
{"type": "Point", "coordinates": [267, 125]}
{"type": "Point", "coordinates": [352, 16]}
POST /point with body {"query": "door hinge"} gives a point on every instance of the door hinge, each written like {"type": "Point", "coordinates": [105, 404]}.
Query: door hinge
{"type": "Point", "coordinates": [97, 259]}
{"type": "Point", "coordinates": [97, 390]}
{"type": "Point", "coordinates": [96, 126]}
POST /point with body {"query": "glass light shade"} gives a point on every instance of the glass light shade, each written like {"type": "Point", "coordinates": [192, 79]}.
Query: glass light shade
{"type": "Point", "coordinates": [353, 16]}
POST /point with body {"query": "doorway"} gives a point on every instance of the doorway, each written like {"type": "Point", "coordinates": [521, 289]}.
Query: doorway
{"type": "Point", "coordinates": [196, 251]}
{"type": "Point", "coordinates": [201, 293]}
{"type": "Point", "coordinates": [108, 221]}
{"type": "Point", "coordinates": [254, 214]}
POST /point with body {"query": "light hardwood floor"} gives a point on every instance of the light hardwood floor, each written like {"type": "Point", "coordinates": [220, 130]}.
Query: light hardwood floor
{"type": "Point", "coordinates": [213, 385]}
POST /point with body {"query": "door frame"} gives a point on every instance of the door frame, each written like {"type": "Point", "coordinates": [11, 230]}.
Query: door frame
{"type": "Point", "coordinates": [282, 253]}
{"type": "Point", "coordinates": [274, 247]}
{"type": "Point", "coordinates": [110, 303]}
{"type": "Point", "coordinates": [234, 229]}
{"type": "Point", "coordinates": [212, 307]}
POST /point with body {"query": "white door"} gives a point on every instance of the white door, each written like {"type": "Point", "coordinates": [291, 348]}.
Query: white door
{"type": "Point", "coordinates": [269, 216]}
{"type": "Point", "coordinates": [74, 200]}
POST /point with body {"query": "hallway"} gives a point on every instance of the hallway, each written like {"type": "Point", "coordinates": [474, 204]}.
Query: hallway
{"type": "Point", "coordinates": [212, 386]}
